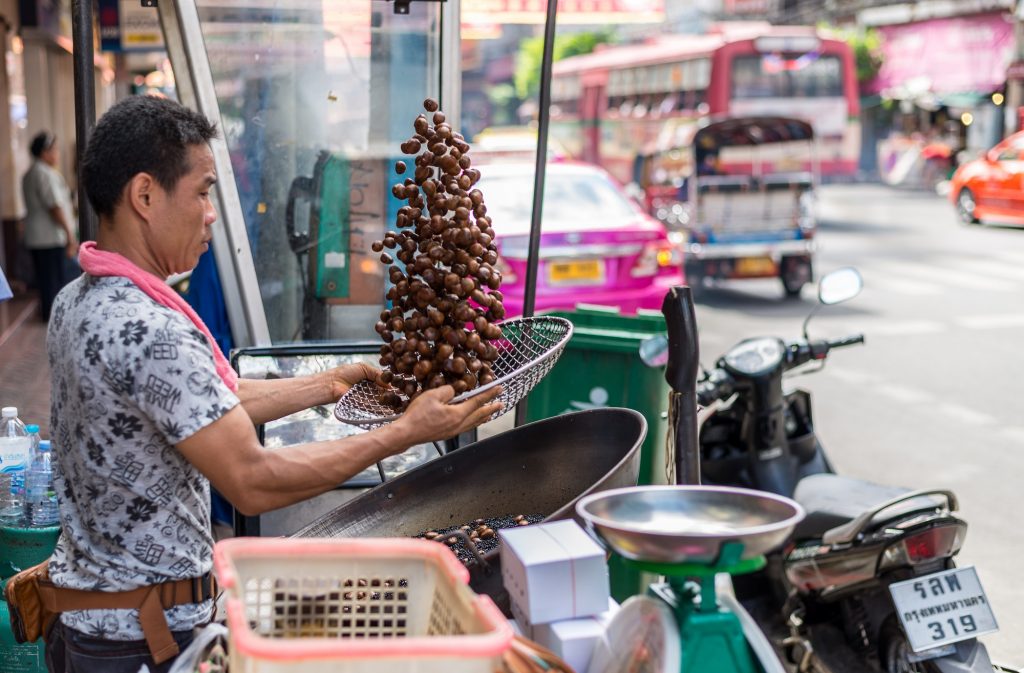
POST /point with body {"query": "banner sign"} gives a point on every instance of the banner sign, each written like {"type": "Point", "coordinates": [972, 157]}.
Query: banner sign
{"type": "Point", "coordinates": [570, 12]}
{"type": "Point", "coordinates": [955, 55]}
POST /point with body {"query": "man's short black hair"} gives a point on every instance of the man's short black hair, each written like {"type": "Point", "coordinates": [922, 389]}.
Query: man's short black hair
{"type": "Point", "coordinates": [141, 134]}
{"type": "Point", "coordinates": [43, 141]}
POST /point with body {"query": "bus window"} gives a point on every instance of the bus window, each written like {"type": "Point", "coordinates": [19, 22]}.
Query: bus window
{"type": "Point", "coordinates": [807, 75]}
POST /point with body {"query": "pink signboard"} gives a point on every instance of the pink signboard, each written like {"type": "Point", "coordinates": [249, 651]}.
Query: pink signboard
{"type": "Point", "coordinates": [942, 56]}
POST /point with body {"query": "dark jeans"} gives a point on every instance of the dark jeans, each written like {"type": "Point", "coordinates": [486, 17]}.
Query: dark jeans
{"type": "Point", "coordinates": [70, 651]}
{"type": "Point", "coordinates": [53, 271]}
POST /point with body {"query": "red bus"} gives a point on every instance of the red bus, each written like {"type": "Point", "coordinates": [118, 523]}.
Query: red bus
{"type": "Point", "coordinates": [618, 102]}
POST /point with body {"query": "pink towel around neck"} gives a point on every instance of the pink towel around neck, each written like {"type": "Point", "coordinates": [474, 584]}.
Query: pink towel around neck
{"type": "Point", "coordinates": [96, 262]}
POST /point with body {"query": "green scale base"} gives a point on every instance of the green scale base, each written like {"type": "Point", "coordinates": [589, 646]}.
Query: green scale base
{"type": "Point", "coordinates": [711, 638]}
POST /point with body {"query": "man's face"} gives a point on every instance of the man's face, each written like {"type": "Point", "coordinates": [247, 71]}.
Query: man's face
{"type": "Point", "coordinates": [180, 226]}
{"type": "Point", "coordinates": [51, 156]}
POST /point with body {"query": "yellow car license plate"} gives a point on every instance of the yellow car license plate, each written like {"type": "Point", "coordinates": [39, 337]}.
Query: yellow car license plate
{"type": "Point", "coordinates": [755, 266]}
{"type": "Point", "coordinates": [576, 272]}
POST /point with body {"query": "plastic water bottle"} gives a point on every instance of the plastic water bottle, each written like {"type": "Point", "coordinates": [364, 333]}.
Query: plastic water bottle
{"type": "Point", "coordinates": [15, 458]}
{"type": "Point", "coordinates": [33, 435]}
{"type": "Point", "coordinates": [40, 499]}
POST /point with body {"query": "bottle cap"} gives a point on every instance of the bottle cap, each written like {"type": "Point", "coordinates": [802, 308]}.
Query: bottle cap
{"type": "Point", "coordinates": [32, 428]}
{"type": "Point", "coordinates": [9, 412]}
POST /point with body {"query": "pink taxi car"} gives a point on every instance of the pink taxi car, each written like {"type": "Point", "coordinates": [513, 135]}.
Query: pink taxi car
{"type": "Point", "coordinates": [597, 245]}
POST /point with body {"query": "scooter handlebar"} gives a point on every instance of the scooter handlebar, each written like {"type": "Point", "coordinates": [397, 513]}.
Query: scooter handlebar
{"type": "Point", "coordinates": [851, 340]}
{"type": "Point", "coordinates": [802, 352]}
{"type": "Point", "coordinates": [718, 384]}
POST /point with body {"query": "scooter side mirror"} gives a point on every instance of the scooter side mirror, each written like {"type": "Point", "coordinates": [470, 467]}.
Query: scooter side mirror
{"type": "Point", "coordinates": [839, 286]}
{"type": "Point", "coordinates": [834, 288]}
{"type": "Point", "coordinates": [654, 350]}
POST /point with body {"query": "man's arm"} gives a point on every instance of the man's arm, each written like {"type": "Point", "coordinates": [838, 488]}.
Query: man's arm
{"type": "Point", "coordinates": [257, 480]}
{"type": "Point", "coordinates": [271, 399]}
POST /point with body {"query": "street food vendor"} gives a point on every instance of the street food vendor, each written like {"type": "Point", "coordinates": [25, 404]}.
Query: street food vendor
{"type": "Point", "coordinates": [147, 413]}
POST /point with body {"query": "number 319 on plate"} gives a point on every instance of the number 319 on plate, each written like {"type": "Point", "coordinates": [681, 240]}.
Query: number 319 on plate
{"type": "Point", "coordinates": [943, 608]}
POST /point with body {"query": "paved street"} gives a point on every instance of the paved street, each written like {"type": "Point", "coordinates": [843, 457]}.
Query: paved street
{"type": "Point", "coordinates": [934, 397]}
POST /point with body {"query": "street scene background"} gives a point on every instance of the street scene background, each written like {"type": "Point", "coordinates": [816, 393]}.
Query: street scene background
{"type": "Point", "coordinates": [899, 95]}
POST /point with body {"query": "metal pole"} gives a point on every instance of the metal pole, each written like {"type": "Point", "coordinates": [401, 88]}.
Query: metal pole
{"type": "Point", "coordinates": [85, 103]}
{"type": "Point", "coordinates": [543, 117]}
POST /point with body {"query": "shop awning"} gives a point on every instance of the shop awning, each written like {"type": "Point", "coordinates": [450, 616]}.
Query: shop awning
{"type": "Point", "coordinates": [956, 55]}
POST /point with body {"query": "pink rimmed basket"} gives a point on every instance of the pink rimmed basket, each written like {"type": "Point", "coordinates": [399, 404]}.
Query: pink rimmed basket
{"type": "Point", "coordinates": [355, 606]}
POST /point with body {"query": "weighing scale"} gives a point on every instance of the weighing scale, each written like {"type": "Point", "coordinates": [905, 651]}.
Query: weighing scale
{"type": "Point", "coordinates": [688, 535]}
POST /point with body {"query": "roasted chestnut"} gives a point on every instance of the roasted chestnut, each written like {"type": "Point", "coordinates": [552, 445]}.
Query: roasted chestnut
{"type": "Point", "coordinates": [433, 335]}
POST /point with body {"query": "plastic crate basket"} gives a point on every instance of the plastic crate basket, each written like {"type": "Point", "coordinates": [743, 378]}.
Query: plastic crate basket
{"type": "Point", "coordinates": [355, 606]}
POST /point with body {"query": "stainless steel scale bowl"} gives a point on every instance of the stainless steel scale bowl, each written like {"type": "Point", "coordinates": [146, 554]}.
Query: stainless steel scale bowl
{"type": "Point", "coordinates": [688, 524]}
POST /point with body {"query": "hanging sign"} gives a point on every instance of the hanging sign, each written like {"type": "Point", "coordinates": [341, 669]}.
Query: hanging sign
{"type": "Point", "coordinates": [125, 25]}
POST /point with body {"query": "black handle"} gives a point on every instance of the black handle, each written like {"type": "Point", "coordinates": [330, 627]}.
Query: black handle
{"type": "Point", "coordinates": [683, 347]}
{"type": "Point", "coordinates": [302, 187]}
{"type": "Point", "coordinates": [681, 374]}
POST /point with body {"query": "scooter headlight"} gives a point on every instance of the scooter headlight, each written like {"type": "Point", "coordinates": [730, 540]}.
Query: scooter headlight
{"type": "Point", "coordinates": [754, 356]}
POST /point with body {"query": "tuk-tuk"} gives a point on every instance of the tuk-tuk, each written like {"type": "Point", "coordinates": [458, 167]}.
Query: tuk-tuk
{"type": "Point", "coordinates": [740, 192]}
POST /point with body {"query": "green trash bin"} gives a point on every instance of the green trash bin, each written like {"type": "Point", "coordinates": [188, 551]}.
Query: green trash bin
{"type": "Point", "coordinates": [21, 548]}
{"type": "Point", "coordinates": [601, 367]}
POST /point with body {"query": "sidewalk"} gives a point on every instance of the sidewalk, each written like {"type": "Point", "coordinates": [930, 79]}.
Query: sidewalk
{"type": "Point", "coordinates": [24, 371]}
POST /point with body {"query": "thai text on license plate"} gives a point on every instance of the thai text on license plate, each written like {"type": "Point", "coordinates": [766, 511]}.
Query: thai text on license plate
{"type": "Point", "coordinates": [576, 272]}
{"type": "Point", "coordinates": [943, 608]}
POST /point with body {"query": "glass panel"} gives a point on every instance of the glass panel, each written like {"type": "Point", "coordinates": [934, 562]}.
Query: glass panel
{"type": "Point", "coordinates": [316, 96]}
{"type": "Point", "coordinates": [808, 75]}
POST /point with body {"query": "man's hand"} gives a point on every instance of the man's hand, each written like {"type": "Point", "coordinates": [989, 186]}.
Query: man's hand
{"type": "Point", "coordinates": [71, 249]}
{"type": "Point", "coordinates": [430, 418]}
{"type": "Point", "coordinates": [341, 379]}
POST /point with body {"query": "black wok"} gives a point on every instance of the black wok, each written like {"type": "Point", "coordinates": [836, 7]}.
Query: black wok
{"type": "Point", "coordinates": [540, 468]}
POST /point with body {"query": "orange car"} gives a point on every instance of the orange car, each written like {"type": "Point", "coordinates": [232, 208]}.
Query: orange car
{"type": "Point", "coordinates": [992, 187]}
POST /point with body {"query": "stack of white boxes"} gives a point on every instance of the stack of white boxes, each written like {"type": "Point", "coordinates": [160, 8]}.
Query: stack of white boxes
{"type": "Point", "coordinates": [557, 578]}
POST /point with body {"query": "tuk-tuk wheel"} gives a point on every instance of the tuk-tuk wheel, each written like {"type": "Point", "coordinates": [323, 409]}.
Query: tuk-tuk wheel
{"type": "Point", "coordinates": [796, 273]}
{"type": "Point", "coordinates": [695, 280]}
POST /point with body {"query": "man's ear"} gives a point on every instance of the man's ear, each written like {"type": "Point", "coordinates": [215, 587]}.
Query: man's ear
{"type": "Point", "coordinates": [140, 192]}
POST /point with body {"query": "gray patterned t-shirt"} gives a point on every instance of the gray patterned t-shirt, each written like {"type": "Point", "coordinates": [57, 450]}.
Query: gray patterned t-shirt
{"type": "Point", "coordinates": [130, 378]}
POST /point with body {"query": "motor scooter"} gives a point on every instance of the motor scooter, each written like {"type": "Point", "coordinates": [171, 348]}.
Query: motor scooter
{"type": "Point", "coordinates": [868, 581]}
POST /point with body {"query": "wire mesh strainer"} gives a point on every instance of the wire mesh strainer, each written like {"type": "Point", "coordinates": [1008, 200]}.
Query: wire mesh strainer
{"type": "Point", "coordinates": [527, 350]}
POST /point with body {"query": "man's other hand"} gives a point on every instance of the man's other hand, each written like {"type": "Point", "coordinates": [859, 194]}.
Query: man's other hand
{"type": "Point", "coordinates": [430, 418]}
{"type": "Point", "coordinates": [341, 379]}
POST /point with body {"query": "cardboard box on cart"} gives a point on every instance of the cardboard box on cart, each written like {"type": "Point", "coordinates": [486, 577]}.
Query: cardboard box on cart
{"type": "Point", "coordinates": [553, 572]}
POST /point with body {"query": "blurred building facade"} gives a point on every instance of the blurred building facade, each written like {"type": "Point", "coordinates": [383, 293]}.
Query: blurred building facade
{"type": "Point", "coordinates": [37, 81]}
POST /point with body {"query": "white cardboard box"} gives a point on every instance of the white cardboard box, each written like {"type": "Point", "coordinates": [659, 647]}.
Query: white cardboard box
{"type": "Point", "coordinates": [574, 639]}
{"type": "Point", "coordinates": [553, 571]}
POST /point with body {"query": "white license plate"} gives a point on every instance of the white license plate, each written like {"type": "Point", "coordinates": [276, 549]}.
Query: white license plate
{"type": "Point", "coordinates": [943, 608]}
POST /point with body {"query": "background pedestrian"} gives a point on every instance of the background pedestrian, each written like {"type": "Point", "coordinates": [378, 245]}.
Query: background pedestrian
{"type": "Point", "coordinates": [49, 229]}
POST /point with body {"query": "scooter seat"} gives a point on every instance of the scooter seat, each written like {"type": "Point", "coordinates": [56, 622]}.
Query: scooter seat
{"type": "Point", "coordinates": [831, 500]}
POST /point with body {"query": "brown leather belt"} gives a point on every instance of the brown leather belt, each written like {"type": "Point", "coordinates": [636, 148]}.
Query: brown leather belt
{"type": "Point", "coordinates": [150, 601]}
